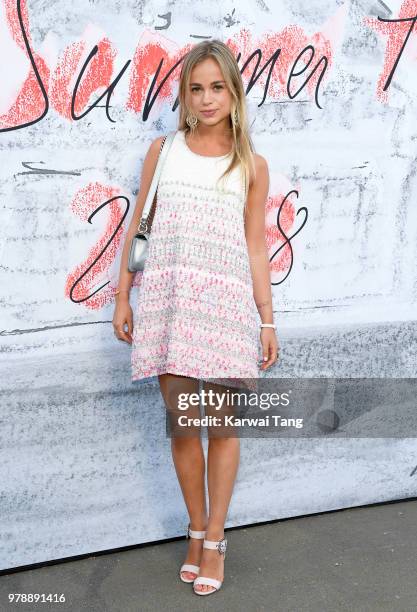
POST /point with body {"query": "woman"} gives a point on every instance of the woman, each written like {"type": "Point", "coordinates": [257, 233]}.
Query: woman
{"type": "Point", "coordinates": [206, 273]}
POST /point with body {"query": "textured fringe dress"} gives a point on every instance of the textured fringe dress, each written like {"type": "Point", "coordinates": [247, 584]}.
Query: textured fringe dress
{"type": "Point", "coordinates": [195, 313]}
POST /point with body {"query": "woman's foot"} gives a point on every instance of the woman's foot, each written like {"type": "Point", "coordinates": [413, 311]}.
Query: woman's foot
{"type": "Point", "coordinates": [211, 564]}
{"type": "Point", "coordinates": [195, 548]}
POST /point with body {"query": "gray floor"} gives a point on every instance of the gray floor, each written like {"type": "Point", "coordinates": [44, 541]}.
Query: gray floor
{"type": "Point", "coordinates": [360, 559]}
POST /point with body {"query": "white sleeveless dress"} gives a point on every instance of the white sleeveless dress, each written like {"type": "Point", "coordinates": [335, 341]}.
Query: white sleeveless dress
{"type": "Point", "coordinates": [195, 313]}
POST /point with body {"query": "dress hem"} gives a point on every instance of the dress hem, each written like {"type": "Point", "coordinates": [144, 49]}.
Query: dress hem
{"type": "Point", "coordinates": [227, 379]}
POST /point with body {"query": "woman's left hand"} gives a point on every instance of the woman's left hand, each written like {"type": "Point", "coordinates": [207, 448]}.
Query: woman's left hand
{"type": "Point", "coordinates": [270, 347]}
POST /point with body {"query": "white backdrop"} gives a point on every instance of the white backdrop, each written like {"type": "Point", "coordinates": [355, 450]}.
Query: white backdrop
{"type": "Point", "coordinates": [83, 451]}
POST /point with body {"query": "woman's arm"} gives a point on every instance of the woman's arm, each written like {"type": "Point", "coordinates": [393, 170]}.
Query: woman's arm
{"type": "Point", "coordinates": [255, 239]}
{"type": "Point", "coordinates": [148, 169]}
{"type": "Point", "coordinates": [259, 258]}
{"type": "Point", "coordinates": [123, 314]}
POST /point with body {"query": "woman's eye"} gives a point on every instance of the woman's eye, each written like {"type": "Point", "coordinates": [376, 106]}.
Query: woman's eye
{"type": "Point", "coordinates": [215, 87]}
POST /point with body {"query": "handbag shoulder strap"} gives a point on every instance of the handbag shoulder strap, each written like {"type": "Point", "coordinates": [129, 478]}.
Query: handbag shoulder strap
{"type": "Point", "coordinates": [165, 146]}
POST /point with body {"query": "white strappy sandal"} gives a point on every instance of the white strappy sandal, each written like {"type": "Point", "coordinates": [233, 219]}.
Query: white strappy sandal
{"type": "Point", "coordinates": [221, 546]}
{"type": "Point", "coordinates": [189, 567]}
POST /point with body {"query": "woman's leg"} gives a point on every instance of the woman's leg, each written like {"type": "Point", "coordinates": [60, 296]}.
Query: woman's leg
{"type": "Point", "coordinates": [222, 467]}
{"type": "Point", "coordinates": [188, 458]}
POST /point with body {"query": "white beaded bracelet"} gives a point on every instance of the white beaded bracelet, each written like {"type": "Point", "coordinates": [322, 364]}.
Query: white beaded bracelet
{"type": "Point", "coordinates": [267, 325]}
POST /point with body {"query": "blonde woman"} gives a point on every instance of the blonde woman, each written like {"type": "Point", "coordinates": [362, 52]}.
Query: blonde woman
{"type": "Point", "coordinates": [205, 281]}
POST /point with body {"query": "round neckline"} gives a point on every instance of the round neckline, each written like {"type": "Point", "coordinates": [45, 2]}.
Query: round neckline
{"type": "Point", "coordinates": [199, 154]}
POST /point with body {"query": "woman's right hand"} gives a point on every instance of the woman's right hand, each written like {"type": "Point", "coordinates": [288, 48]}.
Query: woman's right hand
{"type": "Point", "coordinates": [123, 315]}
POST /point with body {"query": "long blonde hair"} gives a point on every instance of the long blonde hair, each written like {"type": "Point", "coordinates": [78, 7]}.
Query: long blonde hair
{"type": "Point", "coordinates": [242, 147]}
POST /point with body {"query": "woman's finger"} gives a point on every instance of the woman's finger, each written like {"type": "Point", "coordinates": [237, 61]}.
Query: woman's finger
{"type": "Point", "coordinates": [121, 334]}
{"type": "Point", "coordinates": [265, 355]}
{"type": "Point", "coordinates": [269, 354]}
{"type": "Point", "coordinates": [130, 328]}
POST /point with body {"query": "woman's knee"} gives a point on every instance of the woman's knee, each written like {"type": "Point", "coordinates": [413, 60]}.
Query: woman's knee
{"type": "Point", "coordinates": [187, 443]}
{"type": "Point", "coordinates": [177, 391]}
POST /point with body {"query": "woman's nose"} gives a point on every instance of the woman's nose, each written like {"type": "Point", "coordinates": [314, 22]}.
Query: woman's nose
{"type": "Point", "coordinates": [207, 96]}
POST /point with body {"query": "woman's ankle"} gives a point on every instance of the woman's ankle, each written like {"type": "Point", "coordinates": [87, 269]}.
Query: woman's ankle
{"type": "Point", "coordinates": [214, 532]}
{"type": "Point", "coordinates": [198, 524]}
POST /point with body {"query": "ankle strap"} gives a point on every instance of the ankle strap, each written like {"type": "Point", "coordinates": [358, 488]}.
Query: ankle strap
{"type": "Point", "coordinates": [220, 545]}
{"type": "Point", "coordinates": [198, 535]}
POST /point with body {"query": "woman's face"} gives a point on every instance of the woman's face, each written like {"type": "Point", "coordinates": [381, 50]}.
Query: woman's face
{"type": "Point", "coordinates": [208, 96]}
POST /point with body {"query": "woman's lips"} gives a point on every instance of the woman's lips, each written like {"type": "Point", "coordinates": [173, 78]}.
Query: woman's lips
{"type": "Point", "coordinates": [208, 113]}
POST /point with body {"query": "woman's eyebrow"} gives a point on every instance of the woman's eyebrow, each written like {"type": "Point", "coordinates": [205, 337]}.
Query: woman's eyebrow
{"type": "Point", "coordinates": [212, 83]}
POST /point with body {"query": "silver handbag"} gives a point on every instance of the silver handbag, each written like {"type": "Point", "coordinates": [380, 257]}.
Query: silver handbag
{"type": "Point", "coordinates": [139, 245]}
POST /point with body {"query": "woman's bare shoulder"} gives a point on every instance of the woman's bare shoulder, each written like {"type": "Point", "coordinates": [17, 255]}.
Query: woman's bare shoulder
{"type": "Point", "coordinates": [152, 154]}
{"type": "Point", "coordinates": [260, 161]}
{"type": "Point", "coordinates": [155, 146]}
{"type": "Point", "coordinates": [150, 160]}
{"type": "Point", "coordinates": [261, 171]}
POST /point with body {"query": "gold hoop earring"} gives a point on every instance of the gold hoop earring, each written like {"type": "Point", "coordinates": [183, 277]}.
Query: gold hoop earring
{"type": "Point", "coordinates": [191, 121]}
{"type": "Point", "coordinates": [235, 117]}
